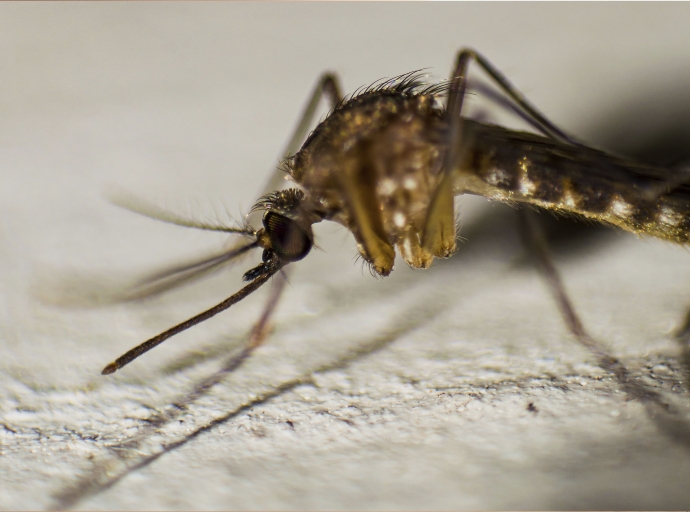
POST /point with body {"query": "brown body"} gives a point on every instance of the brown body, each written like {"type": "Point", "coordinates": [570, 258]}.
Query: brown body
{"type": "Point", "coordinates": [374, 163]}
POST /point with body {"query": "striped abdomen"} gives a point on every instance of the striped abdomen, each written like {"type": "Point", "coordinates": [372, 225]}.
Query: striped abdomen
{"type": "Point", "coordinates": [515, 166]}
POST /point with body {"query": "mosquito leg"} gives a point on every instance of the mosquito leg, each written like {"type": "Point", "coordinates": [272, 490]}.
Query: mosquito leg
{"type": "Point", "coordinates": [465, 57]}
{"type": "Point", "coordinates": [531, 232]}
{"type": "Point", "coordinates": [328, 85]}
{"type": "Point", "coordinates": [535, 242]}
{"type": "Point", "coordinates": [438, 238]}
{"type": "Point", "coordinates": [504, 102]}
{"type": "Point", "coordinates": [532, 235]}
{"type": "Point", "coordinates": [262, 327]}
{"type": "Point", "coordinates": [680, 175]}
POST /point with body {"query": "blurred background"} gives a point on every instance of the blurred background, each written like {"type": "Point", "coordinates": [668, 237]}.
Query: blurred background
{"type": "Point", "coordinates": [457, 387]}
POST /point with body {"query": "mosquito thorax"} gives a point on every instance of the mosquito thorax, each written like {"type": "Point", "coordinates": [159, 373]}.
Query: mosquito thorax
{"type": "Point", "coordinates": [372, 166]}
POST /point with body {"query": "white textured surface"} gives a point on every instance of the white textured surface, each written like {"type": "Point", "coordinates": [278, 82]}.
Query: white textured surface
{"type": "Point", "coordinates": [409, 392]}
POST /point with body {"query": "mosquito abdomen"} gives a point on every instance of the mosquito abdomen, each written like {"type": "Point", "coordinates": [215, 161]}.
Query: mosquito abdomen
{"type": "Point", "coordinates": [512, 166]}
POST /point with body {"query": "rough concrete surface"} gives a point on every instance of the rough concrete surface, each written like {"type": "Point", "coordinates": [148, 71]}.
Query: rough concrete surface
{"type": "Point", "coordinates": [456, 387]}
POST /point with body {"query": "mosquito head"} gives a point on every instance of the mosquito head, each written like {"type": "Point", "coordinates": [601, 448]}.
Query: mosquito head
{"type": "Point", "coordinates": [287, 235]}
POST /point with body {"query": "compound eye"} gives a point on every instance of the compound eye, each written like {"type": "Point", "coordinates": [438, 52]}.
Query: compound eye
{"type": "Point", "coordinates": [288, 241]}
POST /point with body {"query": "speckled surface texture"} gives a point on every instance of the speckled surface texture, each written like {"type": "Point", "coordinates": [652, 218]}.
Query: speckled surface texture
{"type": "Point", "coordinates": [458, 387]}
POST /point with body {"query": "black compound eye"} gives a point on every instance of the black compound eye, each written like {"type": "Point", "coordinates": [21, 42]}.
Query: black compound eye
{"type": "Point", "coordinates": [288, 241]}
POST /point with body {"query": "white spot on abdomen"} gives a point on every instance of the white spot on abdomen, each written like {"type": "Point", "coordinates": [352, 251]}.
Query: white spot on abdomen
{"type": "Point", "coordinates": [620, 208]}
{"type": "Point", "coordinates": [670, 217]}
{"type": "Point", "coordinates": [498, 177]}
{"type": "Point", "coordinates": [568, 199]}
{"type": "Point", "coordinates": [527, 186]}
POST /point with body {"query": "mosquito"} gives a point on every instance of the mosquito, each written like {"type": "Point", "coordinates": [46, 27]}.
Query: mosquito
{"type": "Point", "coordinates": [387, 162]}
